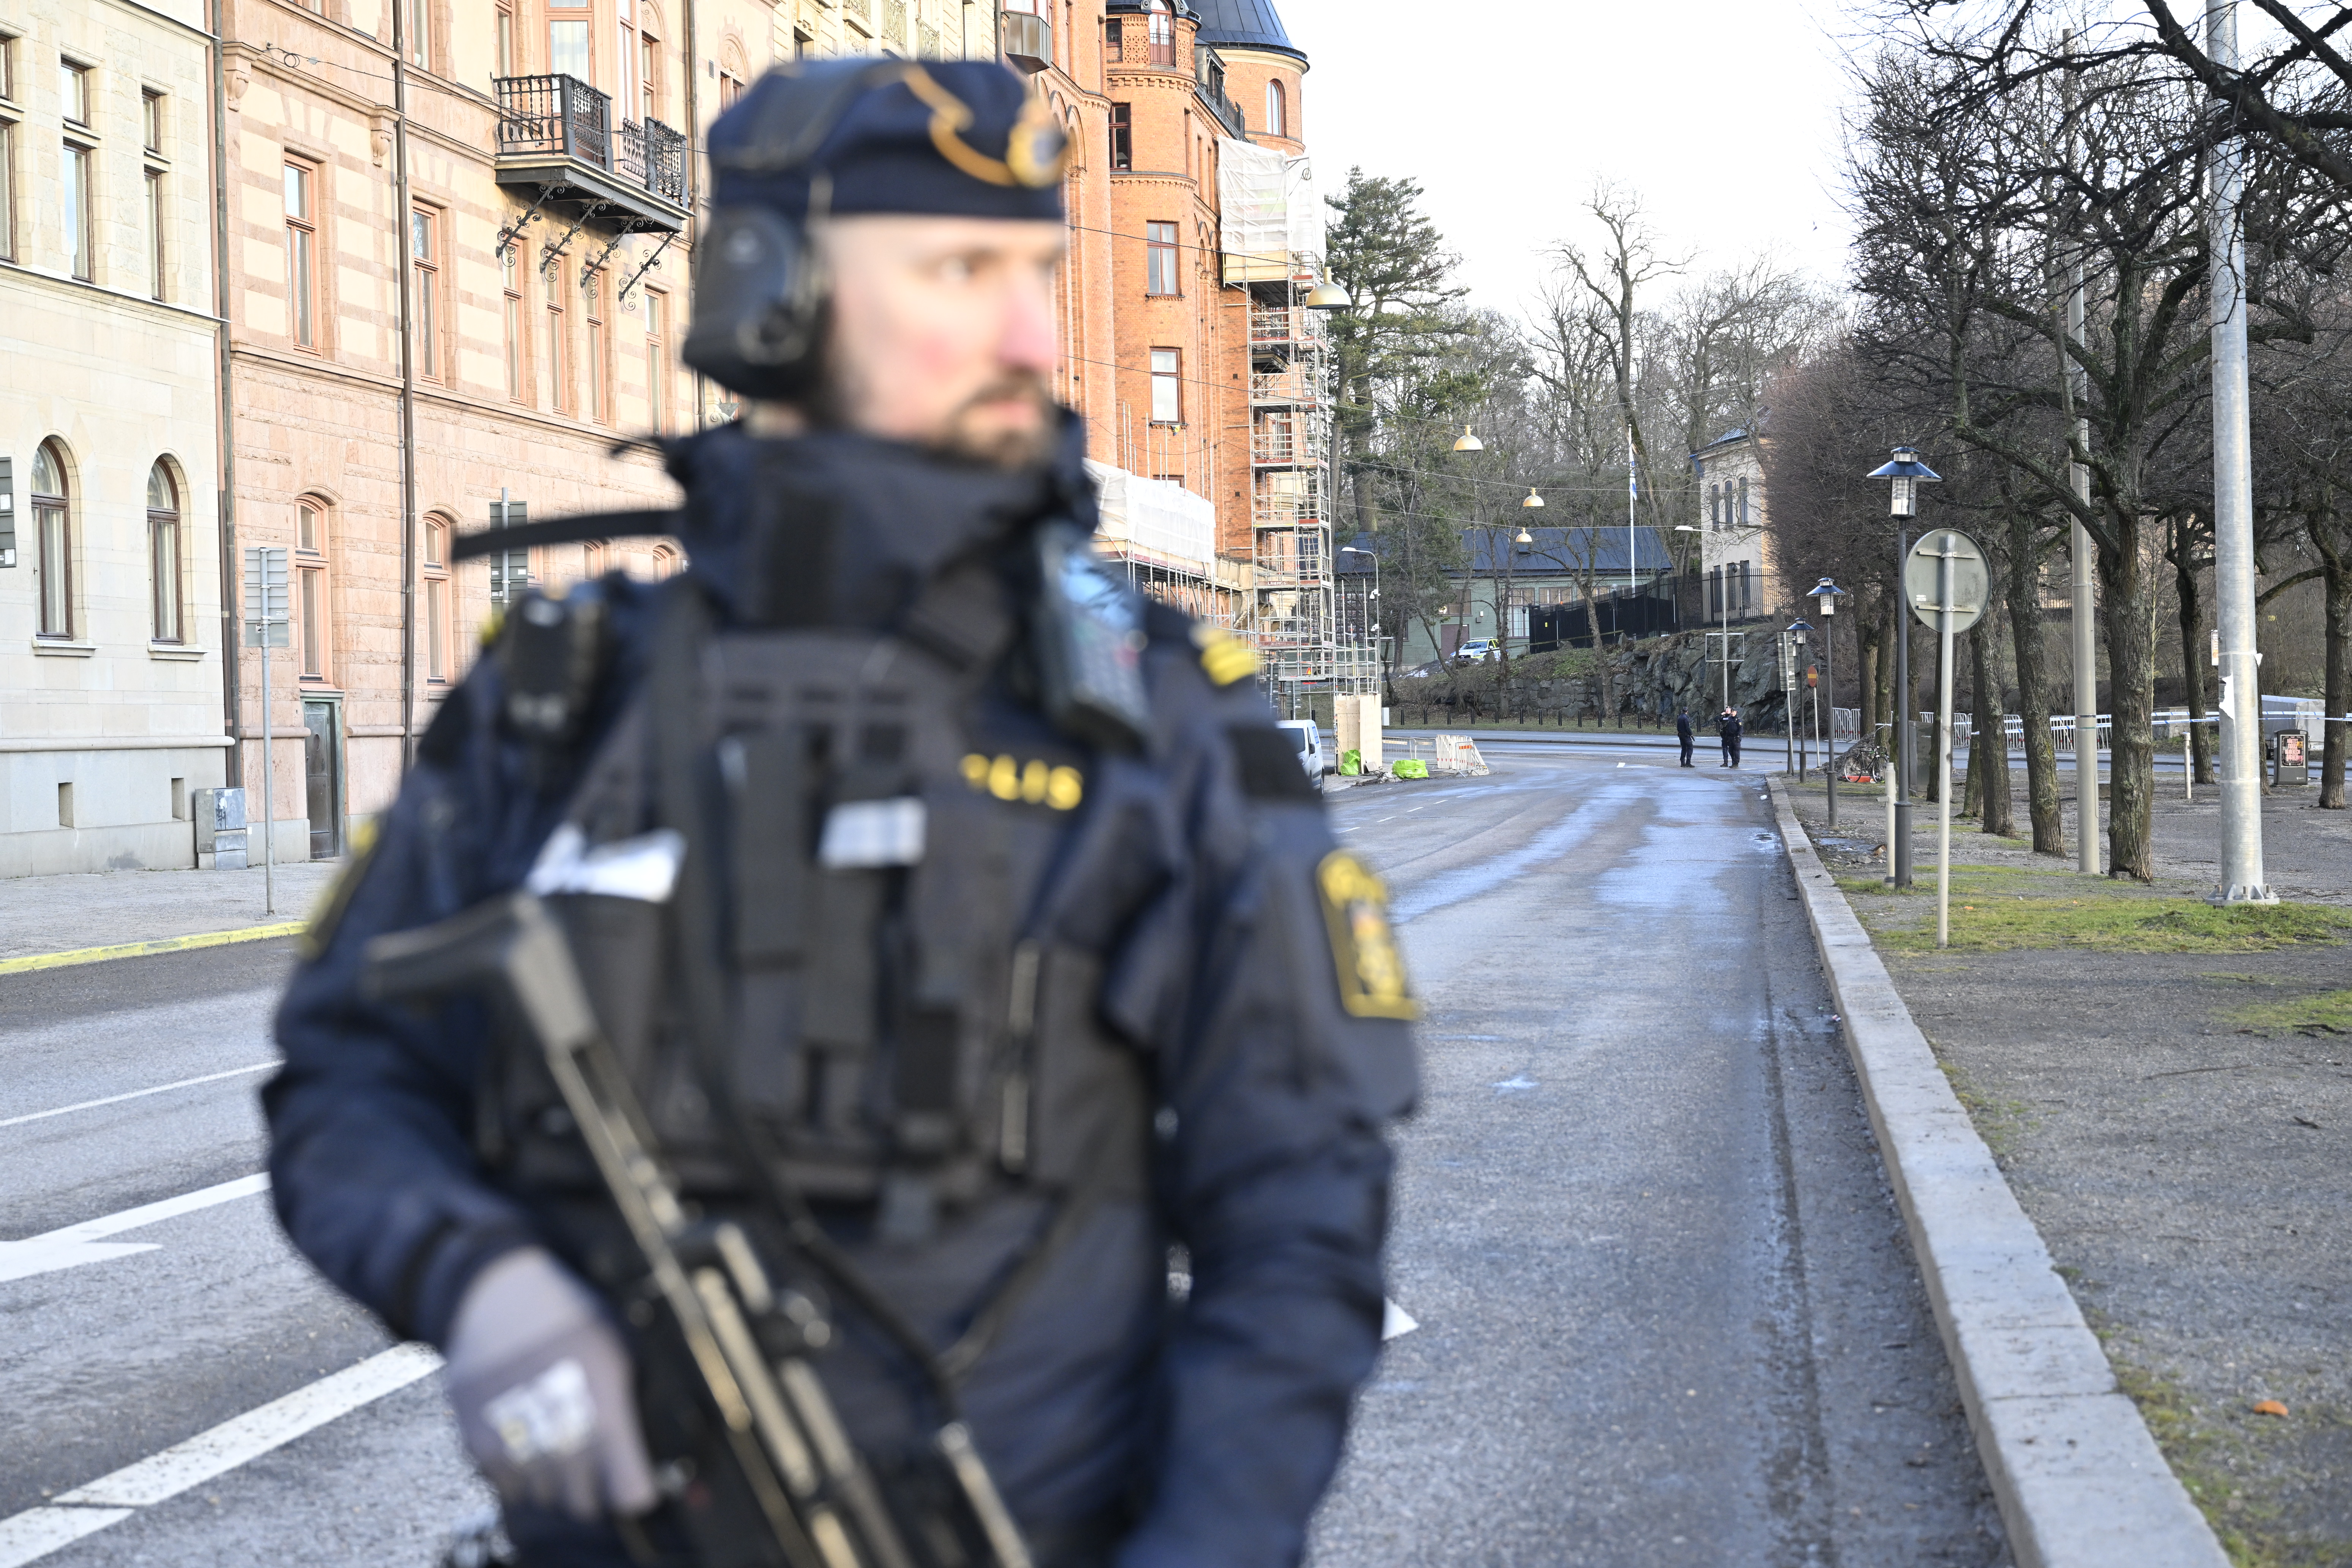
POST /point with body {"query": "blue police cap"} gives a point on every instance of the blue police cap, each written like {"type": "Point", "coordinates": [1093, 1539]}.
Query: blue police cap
{"type": "Point", "coordinates": [959, 138]}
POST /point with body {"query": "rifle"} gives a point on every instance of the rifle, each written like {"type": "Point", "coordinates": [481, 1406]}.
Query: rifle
{"type": "Point", "coordinates": [815, 1495]}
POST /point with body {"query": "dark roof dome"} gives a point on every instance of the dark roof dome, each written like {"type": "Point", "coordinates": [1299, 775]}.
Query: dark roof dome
{"type": "Point", "coordinates": [1245, 24]}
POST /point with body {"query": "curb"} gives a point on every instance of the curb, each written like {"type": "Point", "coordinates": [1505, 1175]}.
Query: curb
{"type": "Point", "coordinates": [2079, 1480]}
{"type": "Point", "coordinates": [143, 948]}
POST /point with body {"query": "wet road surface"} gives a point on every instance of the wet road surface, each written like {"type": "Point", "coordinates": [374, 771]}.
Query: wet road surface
{"type": "Point", "coordinates": [1666, 1313]}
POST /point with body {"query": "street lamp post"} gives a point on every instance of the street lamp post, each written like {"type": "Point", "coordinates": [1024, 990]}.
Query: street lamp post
{"type": "Point", "coordinates": [1799, 629]}
{"type": "Point", "coordinates": [1372, 609]}
{"type": "Point", "coordinates": [1826, 594]}
{"type": "Point", "coordinates": [1904, 475]}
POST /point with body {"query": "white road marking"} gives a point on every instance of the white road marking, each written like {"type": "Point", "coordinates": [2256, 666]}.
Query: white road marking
{"type": "Point", "coordinates": [135, 1094]}
{"type": "Point", "coordinates": [1394, 1320]}
{"type": "Point", "coordinates": [76, 1245]}
{"type": "Point", "coordinates": [110, 1500]}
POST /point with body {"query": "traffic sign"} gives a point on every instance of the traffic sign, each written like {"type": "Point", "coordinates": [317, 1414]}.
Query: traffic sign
{"type": "Point", "coordinates": [268, 621]}
{"type": "Point", "coordinates": [1923, 579]}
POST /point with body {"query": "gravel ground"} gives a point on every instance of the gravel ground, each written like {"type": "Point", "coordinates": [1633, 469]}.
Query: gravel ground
{"type": "Point", "coordinates": [2192, 1175]}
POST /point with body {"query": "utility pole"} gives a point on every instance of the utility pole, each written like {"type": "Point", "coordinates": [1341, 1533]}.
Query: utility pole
{"type": "Point", "coordinates": [2242, 881]}
{"type": "Point", "coordinates": [2084, 626]}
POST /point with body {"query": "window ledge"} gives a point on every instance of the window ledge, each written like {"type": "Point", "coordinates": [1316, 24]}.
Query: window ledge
{"type": "Point", "coordinates": [173, 650]}
{"type": "Point", "coordinates": [59, 647]}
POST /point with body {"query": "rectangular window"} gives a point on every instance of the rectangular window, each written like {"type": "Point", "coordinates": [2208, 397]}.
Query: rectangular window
{"type": "Point", "coordinates": [54, 541]}
{"type": "Point", "coordinates": [425, 262]}
{"type": "Point", "coordinates": [567, 49]}
{"type": "Point", "coordinates": [73, 92]}
{"type": "Point", "coordinates": [1113, 39]}
{"type": "Point", "coordinates": [1160, 259]}
{"type": "Point", "coordinates": [436, 601]}
{"type": "Point", "coordinates": [164, 563]}
{"type": "Point", "coordinates": [151, 120]}
{"type": "Point", "coordinates": [311, 606]}
{"type": "Point", "coordinates": [301, 256]}
{"type": "Point", "coordinates": [155, 232]}
{"type": "Point", "coordinates": [8, 192]}
{"type": "Point", "coordinates": [75, 198]}
{"type": "Point", "coordinates": [1167, 387]}
{"type": "Point", "coordinates": [7, 67]}
{"type": "Point", "coordinates": [1122, 136]}
{"type": "Point", "coordinates": [599, 401]}
{"type": "Point", "coordinates": [649, 74]}
{"type": "Point", "coordinates": [420, 33]}
{"type": "Point", "coordinates": [657, 361]}
{"type": "Point", "coordinates": [514, 324]}
{"type": "Point", "coordinates": [1163, 38]}
{"type": "Point", "coordinates": [556, 393]}
{"type": "Point", "coordinates": [506, 41]}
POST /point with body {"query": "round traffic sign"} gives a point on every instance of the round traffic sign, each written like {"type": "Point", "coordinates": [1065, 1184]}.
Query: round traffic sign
{"type": "Point", "coordinates": [1924, 579]}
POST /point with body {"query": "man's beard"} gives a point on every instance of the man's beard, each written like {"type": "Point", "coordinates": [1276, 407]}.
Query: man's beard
{"type": "Point", "coordinates": [999, 447]}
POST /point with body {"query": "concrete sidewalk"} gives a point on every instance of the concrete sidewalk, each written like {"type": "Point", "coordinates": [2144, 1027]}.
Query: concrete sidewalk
{"type": "Point", "coordinates": [107, 909]}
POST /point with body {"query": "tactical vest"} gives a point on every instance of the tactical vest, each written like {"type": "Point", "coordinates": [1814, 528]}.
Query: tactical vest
{"type": "Point", "coordinates": [842, 1002]}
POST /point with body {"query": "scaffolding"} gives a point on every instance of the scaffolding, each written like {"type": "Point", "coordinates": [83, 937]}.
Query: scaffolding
{"type": "Point", "coordinates": [1165, 538]}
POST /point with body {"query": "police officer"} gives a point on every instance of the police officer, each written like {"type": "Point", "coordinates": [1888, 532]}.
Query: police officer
{"type": "Point", "coordinates": [963, 925]}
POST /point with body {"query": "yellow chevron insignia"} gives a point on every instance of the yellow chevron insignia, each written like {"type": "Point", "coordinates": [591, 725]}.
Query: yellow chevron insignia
{"type": "Point", "coordinates": [1225, 657]}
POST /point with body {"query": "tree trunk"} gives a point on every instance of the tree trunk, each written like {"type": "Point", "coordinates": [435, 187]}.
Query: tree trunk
{"type": "Point", "coordinates": [2124, 592]}
{"type": "Point", "coordinates": [1997, 816]}
{"type": "Point", "coordinates": [2193, 655]}
{"type": "Point", "coordinates": [2033, 688]}
{"type": "Point", "coordinates": [1865, 676]}
{"type": "Point", "coordinates": [2338, 581]}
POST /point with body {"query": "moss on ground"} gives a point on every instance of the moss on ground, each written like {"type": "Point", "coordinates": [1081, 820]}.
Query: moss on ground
{"type": "Point", "coordinates": [2204, 1453]}
{"type": "Point", "coordinates": [2322, 1013]}
{"type": "Point", "coordinates": [1996, 908]}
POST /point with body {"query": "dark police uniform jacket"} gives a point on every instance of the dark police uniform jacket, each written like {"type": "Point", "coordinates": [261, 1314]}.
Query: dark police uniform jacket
{"type": "Point", "coordinates": [1200, 934]}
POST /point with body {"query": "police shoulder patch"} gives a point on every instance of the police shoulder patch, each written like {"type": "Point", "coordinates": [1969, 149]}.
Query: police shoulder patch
{"type": "Point", "coordinates": [1363, 946]}
{"type": "Point", "coordinates": [1224, 658]}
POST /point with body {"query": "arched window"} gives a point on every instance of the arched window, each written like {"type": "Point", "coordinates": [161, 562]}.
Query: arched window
{"type": "Point", "coordinates": [435, 579]}
{"type": "Point", "coordinates": [311, 599]}
{"type": "Point", "coordinates": [163, 553]}
{"type": "Point", "coordinates": [1743, 502]}
{"type": "Point", "coordinates": [53, 541]}
{"type": "Point", "coordinates": [665, 561]}
{"type": "Point", "coordinates": [1277, 123]}
{"type": "Point", "coordinates": [1163, 34]}
{"type": "Point", "coordinates": [731, 73]}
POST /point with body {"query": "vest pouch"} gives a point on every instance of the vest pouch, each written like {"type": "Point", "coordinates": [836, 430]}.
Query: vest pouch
{"type": "Point", "coordinates": [1088, 1097]}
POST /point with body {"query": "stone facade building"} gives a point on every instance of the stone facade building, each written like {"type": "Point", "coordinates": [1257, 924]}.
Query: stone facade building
{"type": "Point", "coordinates": [1736, 550]}
{"type": "Point", "coordinates": [110, 626]}
{"type": "Point", "coordinates": [375, 273]}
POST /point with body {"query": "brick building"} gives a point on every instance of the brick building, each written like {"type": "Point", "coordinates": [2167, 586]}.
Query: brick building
{"type": "Point", "coordinates": [437, 279]}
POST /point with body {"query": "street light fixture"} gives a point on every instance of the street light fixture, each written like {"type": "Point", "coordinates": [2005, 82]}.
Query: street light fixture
{"type": "Point", "coordinates": [1797, 631]}
{"type": "Point", "coordinates": [1467, 442]}
{"type": "Point", "coordinates": [1825, 597]}
{"type": "Point", "coordinates": [1904, 475]}
{"type": "Point", "coordinates": [1327, 296]}
{"type": "Point", "coordinates": [1533, 500]}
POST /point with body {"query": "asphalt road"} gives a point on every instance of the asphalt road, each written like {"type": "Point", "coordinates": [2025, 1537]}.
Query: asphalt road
{"type": "Point", "coordinates": [1666, 1312]}
{"type": "Point", "coordinates": [108, 1357]}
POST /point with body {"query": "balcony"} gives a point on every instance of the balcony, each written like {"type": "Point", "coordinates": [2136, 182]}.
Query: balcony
{"type": "Point", "coordinates": [1028, 40]}
{"type": "Point", "coordinates": [556, 138]}
{"type": "Point", "coordinates": [1209, 77]}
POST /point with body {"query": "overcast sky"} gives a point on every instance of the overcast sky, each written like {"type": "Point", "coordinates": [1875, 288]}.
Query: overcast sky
{"type": "Point", "coordinates": [1722, 113]}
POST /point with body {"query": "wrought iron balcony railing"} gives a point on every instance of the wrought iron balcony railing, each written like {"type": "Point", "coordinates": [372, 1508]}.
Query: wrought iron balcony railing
{"type": "Point", "coordinates": [564, 117]}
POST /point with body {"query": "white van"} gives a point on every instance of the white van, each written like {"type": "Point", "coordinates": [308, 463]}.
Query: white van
{"type": "Point", "coordinates": [1307, 739]}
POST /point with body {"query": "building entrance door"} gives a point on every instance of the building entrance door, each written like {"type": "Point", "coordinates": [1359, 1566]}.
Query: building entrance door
{"type": "Point", "coordinates": [322, 768]}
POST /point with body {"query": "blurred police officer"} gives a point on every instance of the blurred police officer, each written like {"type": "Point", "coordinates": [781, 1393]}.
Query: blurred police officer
{"type": "Point", "coordinates": [1007, 961]}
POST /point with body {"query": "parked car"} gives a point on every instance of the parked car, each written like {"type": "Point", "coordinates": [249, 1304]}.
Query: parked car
{"type": "Point", "coordinates": [1309, 739]}
{"type": "Point", "coordinates": [1478, 650]}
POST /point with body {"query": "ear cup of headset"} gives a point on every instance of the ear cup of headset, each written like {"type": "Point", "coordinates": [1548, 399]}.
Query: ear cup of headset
{"type": "Point", "coordinates": [758, 304]}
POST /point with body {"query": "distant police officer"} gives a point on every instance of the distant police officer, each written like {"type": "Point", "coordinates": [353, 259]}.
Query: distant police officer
{"type": "Point", "coordinates": [979, 1100]}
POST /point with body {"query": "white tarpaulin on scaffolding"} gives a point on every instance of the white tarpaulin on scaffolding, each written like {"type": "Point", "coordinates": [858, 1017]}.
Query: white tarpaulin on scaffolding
{"type": "Point", "coordinates": [1268, 211]}
{"type": "Point", "coordinates": [1156, 522]}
